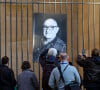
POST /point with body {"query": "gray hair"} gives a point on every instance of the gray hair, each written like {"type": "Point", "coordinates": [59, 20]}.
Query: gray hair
{"type": "Point", "coordinates": [52, 51]}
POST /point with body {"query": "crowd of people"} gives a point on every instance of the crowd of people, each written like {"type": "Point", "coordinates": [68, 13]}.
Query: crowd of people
{"type": "Point", "coordinates": [58, 72]}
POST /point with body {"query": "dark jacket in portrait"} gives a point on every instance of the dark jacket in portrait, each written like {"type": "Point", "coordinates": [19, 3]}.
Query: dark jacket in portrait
{"type": "Point", "coordinates": [91, 70]}
{"type": "Point", "coordinates": [27, 81]}
{"type": "Point", "coordinates": [56, 43]}
{"type": "Point", "coordinates": [7, 79]}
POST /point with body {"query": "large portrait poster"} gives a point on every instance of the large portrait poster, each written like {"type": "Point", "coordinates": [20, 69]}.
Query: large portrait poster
{"type": "Point", "coordinates": [49, 30]}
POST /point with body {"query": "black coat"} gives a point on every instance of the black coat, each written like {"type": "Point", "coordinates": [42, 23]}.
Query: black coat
{"type": "Point", "coordinates": [7, 79]}
{"type": "Point", "coordinates": [91, 70]}
{"type": "Point", "coordinates": [47, 63]}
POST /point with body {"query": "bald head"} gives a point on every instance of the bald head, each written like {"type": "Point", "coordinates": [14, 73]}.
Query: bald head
{"type": "Point", "coordinates": [50, 29]}
{"type": "Point", "coordinates": [50, 22]}
{"type": "Point", "coordinates": [65, 57]}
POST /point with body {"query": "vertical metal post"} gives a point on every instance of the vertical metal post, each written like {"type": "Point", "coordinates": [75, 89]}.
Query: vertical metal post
{"type": "Point", "coordinates": [66, 29]}
{"type": "Point", "coordinates": [94, 20]}
{"type": "Point", "coordinates": [39, 63]}
{"type": "Point", "coordinates": [22, 30]}
{"type": "Point", "coordinates": [77, 31]}
{"type": "Point", "coordinates": [83, 51]}
{"type": "Point", "coordinates": [11, 30]}
{"type": "Point", "coordinates": [99, 25]}
{"type": "Point", "coordinates": [38, 7]}
{"type": "Point", "coordinates": [5, 31]}
{"type": "Point", "coordinates": [60, 6]}
{"type": "Point", "coordinates": [43, 6]}
{"type": "Point", "coordinates": [27, 35]}
{"type": "Point", "coordinates": [33, 28]}
{"type": "Point", "coordinates": [55, 6]}
{"type": "Point", "coordinates": [49, 6]}
{"type": "Point", "coordinates": [0, 32]}
{"type": "Point", "coordinates": [77, 34]}
{"type": "Point", "coordinates": [88, 29]}
{"type": "Point", "coordinates": [16, 45]}
{"type": "Point", "coordinates": [72, 29]}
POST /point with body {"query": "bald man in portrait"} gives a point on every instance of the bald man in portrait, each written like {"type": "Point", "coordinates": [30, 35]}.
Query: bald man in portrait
{"type": "Point", "coordinates": [49, 39]}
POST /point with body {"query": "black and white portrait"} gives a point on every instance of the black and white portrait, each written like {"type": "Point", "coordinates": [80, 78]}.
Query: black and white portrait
{"type": "Point", "coordinates": [49, 30]}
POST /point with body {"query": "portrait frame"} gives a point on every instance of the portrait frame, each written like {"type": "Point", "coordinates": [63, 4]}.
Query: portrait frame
{"type": "Point", "coordinates": [38, 20]}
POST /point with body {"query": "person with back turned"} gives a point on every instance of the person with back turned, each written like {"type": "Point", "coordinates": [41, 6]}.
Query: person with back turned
{"type": "Point", "coordinates": [7, 78]}
{"type": "Point", "coordinates": [27, 80]}
{"type": "Point", "coordinates": [69, 73]}
{"type": "Point", "coordinates": [91, 70]}
{"type": "Point", "coordinates": [48, 63]}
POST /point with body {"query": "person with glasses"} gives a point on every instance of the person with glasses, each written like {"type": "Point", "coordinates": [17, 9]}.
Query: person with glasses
{"type": "Point", "coordinates": [50, 30]}
{"type": "Point", "coordinates": [50, 38]}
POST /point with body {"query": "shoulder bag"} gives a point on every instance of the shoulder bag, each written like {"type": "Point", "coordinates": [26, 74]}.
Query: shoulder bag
{"type": "Point", "coordinates": [71, 86]}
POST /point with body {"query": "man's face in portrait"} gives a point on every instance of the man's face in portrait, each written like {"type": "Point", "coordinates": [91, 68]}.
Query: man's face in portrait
{"type": "Point", "coordinates": [50, 29]}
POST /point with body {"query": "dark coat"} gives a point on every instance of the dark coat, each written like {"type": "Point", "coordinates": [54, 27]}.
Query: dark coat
{"type": "Point", "coordinates": [27, 81]}
{"type": "Point", "coordinates": [7, 79]}
{"type": "Point", "coordinates": [91, 68]}
{"type": "Point", "coordinates": [47, 63]}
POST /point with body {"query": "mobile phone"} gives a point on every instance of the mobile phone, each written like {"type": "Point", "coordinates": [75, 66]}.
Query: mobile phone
{"type": "Point", "coordinates": [83, 53]}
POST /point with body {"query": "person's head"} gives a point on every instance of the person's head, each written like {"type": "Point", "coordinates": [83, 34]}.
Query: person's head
{"type": "Point", "coordinates": [52, 51]}
{"type": "Point", "coordinates": [25, 65]}
{"type": "Point", "coordinates": [50, 28]}
{"type": "Point", "coordinates": [64, 57]}
{"type": "Point", "coordinates": [95, 52]}
{"type": "Point", "coordinates": [5, 60]}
